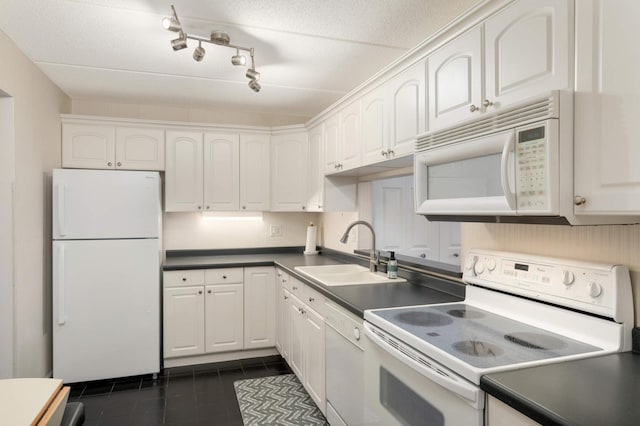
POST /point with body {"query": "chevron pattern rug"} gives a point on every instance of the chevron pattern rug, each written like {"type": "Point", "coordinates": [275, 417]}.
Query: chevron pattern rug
{"type": "Point", "coordinates": [276, 400]}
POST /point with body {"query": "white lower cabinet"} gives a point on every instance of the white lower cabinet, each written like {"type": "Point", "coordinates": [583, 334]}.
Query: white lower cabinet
{"type": "Point", "coordinates": [500, 414]}
{"type": "Point", "coordinates": [282, 314]}
{"type": "Point", "coordinates": [218, 310]}
{"type": "Point", "coordinates": [301, 335]}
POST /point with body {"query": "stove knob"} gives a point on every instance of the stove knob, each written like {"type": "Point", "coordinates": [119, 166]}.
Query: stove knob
{"type": "Point", "coordinates": [478, 267]}
{"type": "Point", "coordinates": [595, 289]}
{"type": "Point", "coordinates": [491, 264]}
{"type": "Point", "coordinates": [470, 263]}
{"type": "Point", "coordinates": [567, 277]}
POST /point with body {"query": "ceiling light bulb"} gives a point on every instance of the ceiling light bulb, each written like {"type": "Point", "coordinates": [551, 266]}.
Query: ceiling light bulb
{"type": "Point", "coordinates": [198, 53]}
{"type": "Point", "coordinates": [253, 74]}
{"type": "Point", "coordinates": [179, 43]}
{"type": "Point", "coordinates": [171, 24]}
{"type": "Point", "coordinates": [254, 85]}
{"type": "Point", "coordinates": [238, 59]}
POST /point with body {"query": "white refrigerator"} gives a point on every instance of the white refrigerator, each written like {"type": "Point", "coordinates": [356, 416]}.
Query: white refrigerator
{"type": "Point", "coordinates": [106, 274]}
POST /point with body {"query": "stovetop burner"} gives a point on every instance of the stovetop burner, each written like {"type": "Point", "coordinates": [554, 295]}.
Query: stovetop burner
{"type": "Point", "coordinates": [478, 348]}
{"type": "Point", "coordinates": [466, 313]}
{"type": "Point", "coordinates": [536, 341]}
{"type": "Point", "coordinates": [425, 319]}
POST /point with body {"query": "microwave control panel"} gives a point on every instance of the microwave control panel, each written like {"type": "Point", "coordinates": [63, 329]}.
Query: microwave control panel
{"type": "Point", "coordinates": [532, 172]}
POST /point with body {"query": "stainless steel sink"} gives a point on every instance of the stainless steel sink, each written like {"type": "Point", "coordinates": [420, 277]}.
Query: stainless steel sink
{"type": "Point", "coordinates": [345, 274]}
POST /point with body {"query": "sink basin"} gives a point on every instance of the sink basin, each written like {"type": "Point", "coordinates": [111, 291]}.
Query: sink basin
{"type": "Point", "coordinates": [349, 274]}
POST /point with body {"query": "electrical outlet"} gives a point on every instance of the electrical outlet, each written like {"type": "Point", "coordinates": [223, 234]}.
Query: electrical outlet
{"type": "Point", "coordinates": [275, 230]}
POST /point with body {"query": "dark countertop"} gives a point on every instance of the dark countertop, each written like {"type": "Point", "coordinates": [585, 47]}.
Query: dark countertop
{"type": "Point", "coordinates": [420, 289]}
{"type": "Point", "coordinates": [593, 391]}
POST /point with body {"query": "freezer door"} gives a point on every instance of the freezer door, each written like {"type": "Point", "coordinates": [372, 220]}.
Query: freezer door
{"type": "Point", "coordinates": [99, 204]}
{"type": "Point", "coordinates": [106, 309]}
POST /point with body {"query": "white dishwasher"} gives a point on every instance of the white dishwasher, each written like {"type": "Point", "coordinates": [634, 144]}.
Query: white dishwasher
{"type": "Point", "coordinates": [344, 367]}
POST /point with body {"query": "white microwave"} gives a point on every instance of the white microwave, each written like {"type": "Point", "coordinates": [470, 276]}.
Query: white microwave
{"type": "Point", "coordinates": [512, 166]}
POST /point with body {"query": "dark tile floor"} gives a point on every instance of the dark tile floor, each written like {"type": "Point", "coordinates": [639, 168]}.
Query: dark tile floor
{"type": "Point", "coordinates": [184, 396]}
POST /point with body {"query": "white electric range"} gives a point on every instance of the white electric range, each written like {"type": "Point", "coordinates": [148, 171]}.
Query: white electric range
{"type": "Point", "coordinates": [423, 363]}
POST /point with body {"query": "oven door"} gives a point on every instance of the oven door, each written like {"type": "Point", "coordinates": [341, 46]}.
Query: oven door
{"type": "Point", "coordinates": [403, 387]}
{"type": "Point", "coordinates": [473, 177]}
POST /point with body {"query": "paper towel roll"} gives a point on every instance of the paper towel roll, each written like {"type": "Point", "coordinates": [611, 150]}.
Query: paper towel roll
{"type": "Point", "coordinates": [310, 246]}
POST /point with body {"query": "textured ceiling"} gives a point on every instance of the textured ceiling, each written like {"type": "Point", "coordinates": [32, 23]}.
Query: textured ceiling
{"type": "Point", "coordinates": [309, 52]}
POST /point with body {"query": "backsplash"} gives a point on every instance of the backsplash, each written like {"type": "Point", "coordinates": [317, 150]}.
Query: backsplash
{"type": "Point", "coordinates": [608, 244]}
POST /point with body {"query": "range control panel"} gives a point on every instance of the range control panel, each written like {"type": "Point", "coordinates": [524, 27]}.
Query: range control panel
{"type": "Point", "coordinates": [591, 287]}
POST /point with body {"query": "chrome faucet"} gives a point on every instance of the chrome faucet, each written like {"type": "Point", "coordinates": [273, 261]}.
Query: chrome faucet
{"type": "Point", "coordinates": [374, 261]}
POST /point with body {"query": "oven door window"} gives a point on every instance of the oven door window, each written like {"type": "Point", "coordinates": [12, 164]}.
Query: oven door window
{"type": "Point", "coordinates": [469, 178]}
{"type": "Point", "coordinates": [406, 405]}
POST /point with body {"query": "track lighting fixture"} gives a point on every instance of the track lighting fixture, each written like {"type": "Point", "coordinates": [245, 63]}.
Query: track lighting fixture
{"type": "Point", "coordinates": [220, 38]}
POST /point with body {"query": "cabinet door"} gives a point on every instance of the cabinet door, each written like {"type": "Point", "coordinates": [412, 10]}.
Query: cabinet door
{"type": "Point", "coordinates": [314, 380]}
{"type": "Point", "coordinates": [221, 172]}
{"type": "Point", "coordinates": [450, 242]}
{"type": "Point", "coordinates": [88, 146]}
{"type": "Point", "coordinates": [375, 126]}
{"type": "Point", "coordinates": [183, 176]}
{"type": "Point", "coordinates": [183, 321]}
{"type": "Point", "coordinates": [408, 115]}
{"type": "Point", "coordinates": [296, 342]}
{"type": "Point", "coordinates": [499, 414]}
{"type": "Point", "coordinates": [139, 148]}
{"type": "Point", "coordinates": [259, 309]}
{"type": "Point", "coordinates": [527, 51]}
{"type": "Point", "coordinates": [606, 108]}
{"type": "Point", "coordinates": [315, 170]}
{"type": "Point", "coordinates": [331, 144]}
{"type": "Point", "coordinates": [289, 156]}
{"type": "Point", "coordinates": [224, 318]}
{"type": "Point", "coordinates": [254, 172]}
{"type": "Point", "coordinates": [455, 81]}
{"type": "Point", "coordinates": [350, 137]}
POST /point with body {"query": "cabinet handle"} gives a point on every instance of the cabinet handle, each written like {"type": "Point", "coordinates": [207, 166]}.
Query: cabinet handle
{"type": "Point", "coordinates": [486, 103]}
{"type": "Point", "coordinates": [184, 279]}
{"type": "Point", "coordinates": [579, 200]}
{"type": "Point", "coordinates": [209, 291]}
{"type": "Point", "coordinates": [284, 280]}
{"type": "Point", "coordinates": [474, 108]}
{"type": "Point", "coordinates": [356, 333]}
{"type": "Point", "coordinates": [119, 164]}
{"type": "Point", "coordinates": [294, 287]}
{"type": "Point", "coordinates": [311, 299]}
{"type": "Point", "coordinates": [383, 152]}
{"type": "Point", "coordinates": [199, 291]}
{"type": "Point", "coordinates": [390, 152]}
{"type": "Point", "coordinates": [109, 164]}
{"type": "Point", "coordinates": [423, 255]}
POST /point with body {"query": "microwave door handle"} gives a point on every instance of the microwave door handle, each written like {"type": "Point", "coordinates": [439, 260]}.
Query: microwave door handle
{"type": "Point", "coordinates": [507, 151]}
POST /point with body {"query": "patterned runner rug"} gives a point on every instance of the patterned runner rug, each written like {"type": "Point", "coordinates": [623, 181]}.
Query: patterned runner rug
{"type": "Point", "coordinates": [276, 400]}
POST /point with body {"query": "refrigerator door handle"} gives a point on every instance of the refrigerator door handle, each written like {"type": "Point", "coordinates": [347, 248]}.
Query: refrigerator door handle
{"type": "Point", "coordinates": [62, 317]}
{"type": "Point", "coordinates": [61, 189]}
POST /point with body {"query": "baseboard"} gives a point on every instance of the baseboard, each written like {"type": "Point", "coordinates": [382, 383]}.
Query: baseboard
{"type": "Point", "coordinates": [225, 356]}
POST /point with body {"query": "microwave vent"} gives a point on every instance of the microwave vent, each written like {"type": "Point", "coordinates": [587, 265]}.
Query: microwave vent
{"type": "Point", "coordinates": [524, 113]}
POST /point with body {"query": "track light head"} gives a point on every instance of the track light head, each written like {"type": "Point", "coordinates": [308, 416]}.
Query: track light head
{"type": "Point", "coordinates": [238, 59]}
{"type": "Point", "coordinates": [179, 43]}
{"type": "Point", "coordinates": [220, 37]}
{"type": "Point", "coordinates": [198, 53]}
{"type": "Point", "coordinates": [171, 24]}
{"type": "Point", "coordinates": [255, 86]}
{"type": "Point", "coordinates": [253, 74]}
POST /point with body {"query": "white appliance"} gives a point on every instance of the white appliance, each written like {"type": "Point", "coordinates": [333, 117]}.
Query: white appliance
{"type": "Point", "coordinates": [514, 165]}
{"type": "Point", "coordinates": [423, 364]}
{"type": "Point", "coordinates": [106, 274]}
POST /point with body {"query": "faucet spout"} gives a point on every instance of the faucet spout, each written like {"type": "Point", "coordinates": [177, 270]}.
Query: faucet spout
{"type": "Point", "coordinates": [374, 261]}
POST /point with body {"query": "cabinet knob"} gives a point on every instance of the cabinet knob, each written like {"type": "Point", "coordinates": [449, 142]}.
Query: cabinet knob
{"type": "Point", "coordinates": [109, 164]}
{"type": "Point", "coordinates": [383, 152]}
{"type": "Point", "coordinates": [199, 291]}
{"type": "Point", "coordinates": [294, 287]}
{"type": "Point", "coordinates": [356, 333]}
{"type": "Point", "coordinates": [199, 207]}
{"type": "Point", "coordinates": [118, 164]}
{"type": "Point", "coordinates": [286, 297]}
{"type": "Point", "coordinates": [486, 103]}
{"type": "Point", "coordinates": [390, 152]}
{"type": "Point", "coordinates": [304, 207]}
{"type": "Point", "coordinates": [209, 291]}
{"type": "Point", "coordinates": [456, 254]}
{"type": "Point", "coordinates": [311, 299]}
{"type": "Point", "coordinates": [207, 207]}
{"type": "Point", "coordinates": [474, 108]}
{"type": "Point", "coordinates": [319, 206]}
{"type": "Point", "coordinates": [244, 207]}
{"type": "Point", "coordinates": [579, 200]}
{"type": "Point", "coordinates": [184, 279]}
{"type": "Point", "coordinates": [224, 277]}
{"type": "Point", "coordinates": [423, 255]}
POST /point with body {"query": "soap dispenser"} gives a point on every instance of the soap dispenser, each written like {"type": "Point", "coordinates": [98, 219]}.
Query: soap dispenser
{"type": "Point", "coordinates": [392, 266]}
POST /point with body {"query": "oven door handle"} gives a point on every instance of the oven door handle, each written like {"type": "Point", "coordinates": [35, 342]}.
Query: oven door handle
{"type": "Point", "coordinates": [465, 390]}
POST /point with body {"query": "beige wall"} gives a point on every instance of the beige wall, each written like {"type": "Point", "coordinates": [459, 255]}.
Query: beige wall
{"type": "Point", "coordinates": [190, 231]}
{"type": "Point", "coordinates": [609, 244]}
{"type": "Point", "coordinates": [38, 104]}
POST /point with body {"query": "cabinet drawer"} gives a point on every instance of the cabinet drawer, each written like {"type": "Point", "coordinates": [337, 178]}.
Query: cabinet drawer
{"type": "Point", "coordinates": [295, 287]}
{"type": "Point", "coordinates": [183, 278]}
{"type": "Point", "coordinates": [345, 323]}
{"type": "Point", "coordinates": [313, 299]}
{"type": "Point", "coordinates": [224, 276]}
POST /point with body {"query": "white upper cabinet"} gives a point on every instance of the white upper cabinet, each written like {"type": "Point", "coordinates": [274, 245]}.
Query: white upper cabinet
{"type": "Point", "coordinates": [607, 108]}
{"type": "Point", "coordinates": [331, 144]}
{"type": "Point", "coordinates": [184, 174]}
{"type": "Point", "coordinates": [527, 51]}
{"type": "Point", "coordinates": [342, 140]}
{"type": "Point", "coordinates": [408, 101]}
{"type": "Point", "coordinates": [375, 126]}
{"type": "Point", "coordinates": [289, 159]}
{"type": "Point", "coordinates": [106, 146]}
{"type": "Point", "coordinates": [254, 172]}
{"type": "Point", "coordinates": [455, 80]}
{"type": "Point", "coordinates": [221, 172]}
